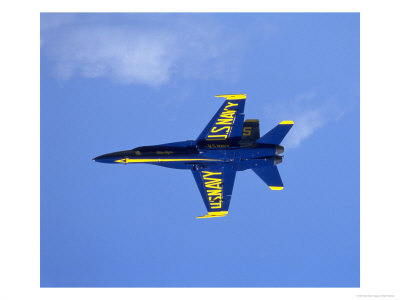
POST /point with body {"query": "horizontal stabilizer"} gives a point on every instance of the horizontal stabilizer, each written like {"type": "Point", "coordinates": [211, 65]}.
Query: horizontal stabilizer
{"type": "Point", "coordinates": [276, 134]}
{"type": "Point", "coordinates": [270, 175]}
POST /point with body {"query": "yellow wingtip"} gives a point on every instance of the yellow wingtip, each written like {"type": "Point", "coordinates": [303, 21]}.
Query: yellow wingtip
{"type": "Point", "coordinates": [276, 188]}
{"type": "Point", "coordinates": [233, 96]}
{"type": "Point", "coordinates": [214, 214]}
{"type": "Point", "coordinates": [287, 122]}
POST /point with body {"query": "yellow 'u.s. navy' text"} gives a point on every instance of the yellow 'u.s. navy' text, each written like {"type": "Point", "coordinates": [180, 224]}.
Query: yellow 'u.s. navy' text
{"type": "Point", "coordinates": [213, 186]}
{"type": "Point", "coordinates": [224, 123]}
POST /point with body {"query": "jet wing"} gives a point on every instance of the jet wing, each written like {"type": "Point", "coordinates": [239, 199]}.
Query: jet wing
{"type": "Point", "coordinates": [227, 123]}
{"type": "Point", "coordinates": [215, 185]}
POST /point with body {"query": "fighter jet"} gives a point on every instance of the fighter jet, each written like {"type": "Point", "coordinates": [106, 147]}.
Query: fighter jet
{"type": "Point", "coordinates": [226, 145]}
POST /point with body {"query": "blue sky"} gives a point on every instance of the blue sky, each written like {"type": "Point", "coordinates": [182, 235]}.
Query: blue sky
{"type": "Point", "coordinates": [117, 81]}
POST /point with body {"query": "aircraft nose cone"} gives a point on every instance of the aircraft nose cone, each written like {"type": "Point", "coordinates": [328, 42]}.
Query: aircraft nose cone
{"type": "Point", "coordinates": [109, 158]}
{"type": "Point", "coordinates": [101, 158]}
{"type": "Point", "coordinates": [97, 158]}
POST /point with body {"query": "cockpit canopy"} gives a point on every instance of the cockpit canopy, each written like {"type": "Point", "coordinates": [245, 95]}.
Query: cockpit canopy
{"type": "Point", "coordinates": [163, 150]}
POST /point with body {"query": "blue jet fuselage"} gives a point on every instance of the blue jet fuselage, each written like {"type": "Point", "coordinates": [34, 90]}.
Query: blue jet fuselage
{"type": "Point", "coordinates": [189, 154]}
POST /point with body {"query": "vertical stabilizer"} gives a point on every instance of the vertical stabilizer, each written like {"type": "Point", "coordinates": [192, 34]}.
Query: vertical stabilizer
{"type": "Point", "coordinates": [251, 131]}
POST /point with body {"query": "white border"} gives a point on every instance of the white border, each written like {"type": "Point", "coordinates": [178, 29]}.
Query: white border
{"type": "Point", "coordinates": [20, 151]}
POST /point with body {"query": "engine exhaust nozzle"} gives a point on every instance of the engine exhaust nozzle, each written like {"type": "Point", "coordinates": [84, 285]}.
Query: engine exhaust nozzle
{"type": "Point", "coordinates": [279, 149]}
{"type": "Point", "coordinates": [277, 160]}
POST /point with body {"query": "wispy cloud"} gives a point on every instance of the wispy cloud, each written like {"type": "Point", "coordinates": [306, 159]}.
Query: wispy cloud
{"type": "Point", "coordinates": [309, 113]}
{"type": "Point", "coordinates": [150, 53]}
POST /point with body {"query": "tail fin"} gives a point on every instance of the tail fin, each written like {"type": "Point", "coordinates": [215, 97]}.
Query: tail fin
{"type": "Point", "coordinates": [270, 175]}
{"type": "Point", "coordinates": [276, 134]}
{"type": "Point", "coordinates": [251, 131]}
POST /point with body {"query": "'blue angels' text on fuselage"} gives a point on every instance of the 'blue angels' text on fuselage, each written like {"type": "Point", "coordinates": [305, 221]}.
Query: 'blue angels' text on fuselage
{"type": "Point", "coordinates": [227, 144]}
{"type": "Point", "coordinates": [223, 126]}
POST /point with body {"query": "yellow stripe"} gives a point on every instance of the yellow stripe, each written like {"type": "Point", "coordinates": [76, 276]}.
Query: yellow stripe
{"type": "Point", "coordinates": [233, 96]}
{"type": "Point", "coordinates": [213, 214]}
{"type": "Point", "coordinates": [276, 188]}
{"type": "Point", "coordinates": [132, 160]}
{"type": "Point", "coordinates": [286, 122]}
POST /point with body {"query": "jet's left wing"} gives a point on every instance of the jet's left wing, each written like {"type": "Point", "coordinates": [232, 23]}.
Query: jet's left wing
{"type": "Point", "coordinates": [215, 185]}
{"type": "Point", "coordinates": [227, 123]}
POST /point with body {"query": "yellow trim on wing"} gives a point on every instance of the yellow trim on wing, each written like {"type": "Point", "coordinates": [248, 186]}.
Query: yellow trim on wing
{"type": "Point", "coordinates": [142, 160]}
{"type": "Point", "coordinates": [214, 214]}
{"type": "Point", "coordinates": [232, 96]}
{"type": "Point", "coordinates": [276, 188]}
{"type": "Point", "coordinates": [289, 122]}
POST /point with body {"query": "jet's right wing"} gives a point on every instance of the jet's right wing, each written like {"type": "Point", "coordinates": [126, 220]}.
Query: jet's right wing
{"type": "Point", "coordinates": [228, 121]}
{"type": "Point", "coordinates": [215, 185]}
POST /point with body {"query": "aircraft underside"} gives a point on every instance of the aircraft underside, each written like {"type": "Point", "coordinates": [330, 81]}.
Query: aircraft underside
{"type": "Point", "coordinates": [226, 145]}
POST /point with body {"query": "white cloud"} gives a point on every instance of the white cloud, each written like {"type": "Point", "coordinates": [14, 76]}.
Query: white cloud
{"type": "Point", "coordinates": [309, 113]}
{"type": "Point", "coordinates": [124, 55]}
{"type": "Point", "coordinates": [140, 54]}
